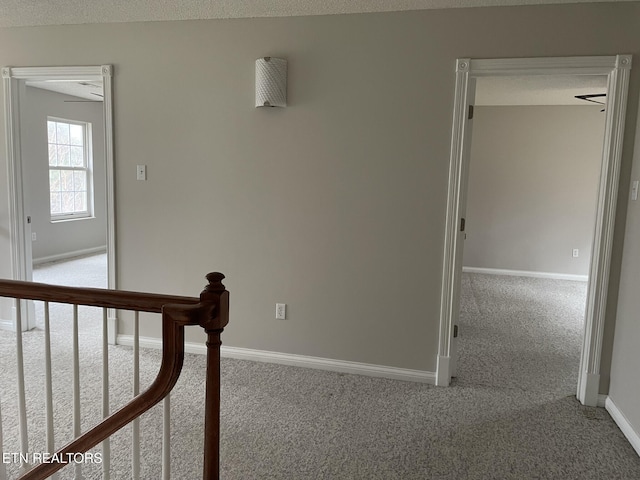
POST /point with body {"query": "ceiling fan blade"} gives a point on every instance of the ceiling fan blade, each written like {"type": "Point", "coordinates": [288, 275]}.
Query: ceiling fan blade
{"type": "Point", "coordinates": [589, 97]}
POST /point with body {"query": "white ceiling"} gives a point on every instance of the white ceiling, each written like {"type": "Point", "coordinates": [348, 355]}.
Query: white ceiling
{"type": "Point", "coordinates": [15, 13]}
{"type": "Point", "coordinates": [87, 90]}
{"type": "Point", "coordinates": [539, 90]}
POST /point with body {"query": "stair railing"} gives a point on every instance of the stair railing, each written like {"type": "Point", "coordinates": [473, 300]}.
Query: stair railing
{"type": "Point", "coordinates": [210, 311]}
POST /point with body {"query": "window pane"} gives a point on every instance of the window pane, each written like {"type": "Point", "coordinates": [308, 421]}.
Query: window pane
{"type": "Point", "coordinates": [62, 133]}
{"type": "Point", "coordinates": [54, 181]}
{"type": "Point", "coordinates": [53, 155]}
{"type": "Point", "coordinates": [64, 156]}
{"type": "Point", "coordinates": [80, 203]}
{"type": "Point", "coordinates": [51, 131]}
{"type": "Point", "coordinates": [77, 156]}
{"type": "Point", "coordinates": [66, 180]}
{"type": "Point", "coordinates": [67, 202]}
{"type": "Point", "coordinates": [55, 204]}
{"type": "Point", "coordinates": [68, 174]}
{"type": "Point", "coordinates": [76, 135]}
{"type": "Point", "coordinates": [80, 181]}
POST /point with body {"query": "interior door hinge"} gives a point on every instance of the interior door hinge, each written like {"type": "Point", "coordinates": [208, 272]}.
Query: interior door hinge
{"type": "Point", "coordinates": [455, 331]}
{"type": "Point", "coordinates": [470, 112]}
{"type": "Point", "coordinates": [462, 224]}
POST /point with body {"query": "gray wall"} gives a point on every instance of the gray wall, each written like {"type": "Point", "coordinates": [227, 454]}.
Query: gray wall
{"type": "Point", "coordinates": [59, 238]}
{"type": "Point", "coordinates": [625, 381]}
{"type": "Point", "coordinates": [334, 205]}
{"type": "Point", "coordinates": [533, 187]}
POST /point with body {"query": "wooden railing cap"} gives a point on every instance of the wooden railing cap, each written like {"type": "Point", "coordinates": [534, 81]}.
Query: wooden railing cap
{"type": "Point", "coordinates": [215, 284]}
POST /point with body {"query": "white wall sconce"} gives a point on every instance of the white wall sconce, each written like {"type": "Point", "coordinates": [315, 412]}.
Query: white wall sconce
{"type": "Point", "coordinates": [271, 82]}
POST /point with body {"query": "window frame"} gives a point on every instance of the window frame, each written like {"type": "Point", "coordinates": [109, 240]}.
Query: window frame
{"type": "Point", "coordinates": [87, 169]}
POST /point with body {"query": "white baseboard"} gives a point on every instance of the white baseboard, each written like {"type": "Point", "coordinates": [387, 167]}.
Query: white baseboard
{"type": "Point", "coordinates": [305, 361]}
{"type": "Point", "coordinates": [7, 325]}
{"type": "Point", "coordinates": [67, 255]}
{"type": "Point", "coordinates": [623, 424]}
{"type": "Point", "coordinates": [330, 364]}
{"type": "Point", "coordinates": [525, 273]}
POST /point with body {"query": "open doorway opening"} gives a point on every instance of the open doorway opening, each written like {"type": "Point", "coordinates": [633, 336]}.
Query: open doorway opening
{"type": "Point", "coordinates": [62, 139]}
{"type": "Point", "coordinates": [59, 129]}
{"type": "Point", "coordinates": [616, 69]}
{"type": "Point", "coordinates": [532, 192]}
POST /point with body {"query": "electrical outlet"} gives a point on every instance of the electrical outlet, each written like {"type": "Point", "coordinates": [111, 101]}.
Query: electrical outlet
{"type": "Point", "coordinates": [576, 253]}
{"type": "Point", "coordinates": [34, 237]}
{"type": "Point", "coordinates": [141, 172]}
{"type": "Point", "coordinates": [281, 311]}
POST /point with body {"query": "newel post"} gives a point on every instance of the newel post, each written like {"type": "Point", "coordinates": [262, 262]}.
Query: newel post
{"type": "Point", "coordinates": [217, 317]}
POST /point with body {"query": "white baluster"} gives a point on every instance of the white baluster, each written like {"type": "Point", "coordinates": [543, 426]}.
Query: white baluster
{"type": "Point", "coordinates": [166, 438]}
{"type": "Point", "coordinates": [106, 447]}
{"type": "Point", "coordinates": [22, 408]}
{"type": "Point", "coordinates": [76, 387]}
{"type": "Point", "coordinates": [48, 385]}
{"type": "Point", "coordinates": [135, 454]}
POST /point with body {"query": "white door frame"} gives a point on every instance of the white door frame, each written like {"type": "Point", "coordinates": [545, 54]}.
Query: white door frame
{"type": "Point", "coordinates": [616, 68]}
{"type": "Point", "coordinates": [20, 253]}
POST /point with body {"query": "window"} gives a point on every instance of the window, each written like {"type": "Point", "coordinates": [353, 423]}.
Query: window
{"type": "Point", "coordinates": [70, 176]}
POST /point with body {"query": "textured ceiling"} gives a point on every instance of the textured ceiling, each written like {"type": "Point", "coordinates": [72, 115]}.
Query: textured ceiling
{"type": "Point", "coordinates": [61, 12]}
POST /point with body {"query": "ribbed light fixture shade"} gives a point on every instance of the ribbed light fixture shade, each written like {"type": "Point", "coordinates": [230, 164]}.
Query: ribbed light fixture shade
{"type": "Point", "coordinates": [271, 82]}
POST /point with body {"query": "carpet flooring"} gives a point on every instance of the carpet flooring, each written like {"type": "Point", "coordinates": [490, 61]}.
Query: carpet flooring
{"type": "Point", "coordinates": [510, 414]}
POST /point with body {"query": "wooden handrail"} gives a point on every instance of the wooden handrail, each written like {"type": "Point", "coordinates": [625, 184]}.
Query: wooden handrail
{"type": "Point", "coordinates": [210, 311]}
{"type": "Point", "coordinates": [94, 297]}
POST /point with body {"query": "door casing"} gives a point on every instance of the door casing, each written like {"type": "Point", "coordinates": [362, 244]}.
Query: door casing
{"type": "Point", "coordinates": [19, 228]}
{"type": "Point", "coordinates": [617, 69]}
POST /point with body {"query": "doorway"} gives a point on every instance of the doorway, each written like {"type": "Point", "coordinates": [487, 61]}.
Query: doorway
{"type": "Point", "coordinates": [533, 183]}
{"type": "Point", "coordinates": [79, 100]}
{"type": "Point", "coordinates": [616, 69]}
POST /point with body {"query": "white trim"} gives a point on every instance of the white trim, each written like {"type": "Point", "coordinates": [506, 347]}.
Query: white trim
{"type": "Point", "coordinates": [450, 297]}
{"type": "Point", "coordinates": [617, 89]}
{"type": "Point", "coordinates": [107, 91]}
{"type": "Point", "coordinates": [68, 255]}
{"type": "Point", "coordinates": [623, 424]}
{"type": "Point", "coordinates": [526, 273]}
{"type": "Point", "coordinates": [443, 371]}
{"type": "Point", "coordinates": [617, 69]}
{"type": "Point", "coordinates": [602, 400]}
{"type": "Point", "coordinates": [56, 73]}
{"type": "Point", "coordinates": [107, 107]}
{"type": "Point", "coordinates": [600, 65]}
{"type": "Point", "coordinates": [14, 176]}
{"type": "Point", "coordinates": [304, 361]}
{"type": "Point", "coordinates": [590, 395]}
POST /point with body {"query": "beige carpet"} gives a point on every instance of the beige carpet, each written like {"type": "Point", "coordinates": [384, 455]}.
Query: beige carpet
{"type": "Point", "coordinates": [510, 415]}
